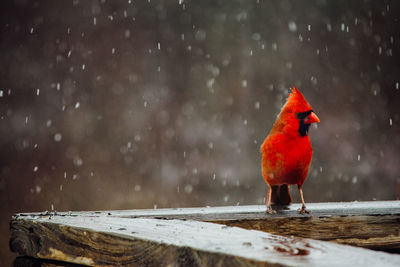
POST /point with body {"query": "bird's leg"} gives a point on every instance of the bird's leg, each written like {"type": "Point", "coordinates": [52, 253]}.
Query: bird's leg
{"type": "Point", "coordinates": [269, 208]}
{"type": "Point", "coordinates": [303, 206]}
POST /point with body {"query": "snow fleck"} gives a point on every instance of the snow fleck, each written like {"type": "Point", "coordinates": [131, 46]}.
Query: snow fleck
{"type": "Point", "coordinates": [57, 137]}
{"type": "Point", "coordinates": [1, 93]}
{"type": "Point", "coordinates": [244, 83]}
{"type": "Point", "coordinates": [274, 46]}
{"type": "Point", "coordinates": [31, 31]}
{"type": "Point", "coordinates": [200, 35]}
{"type": "Point", "coordinates": [314, 80]}
{"type": "Point", "coordinates": [257, 105]}
{"type": "Point", "coordinates": [145, 103]}
{"type": "Point", "coordinates": [245, 122]}
{"type": "Point", "coordinates": [210, 84]}
{"type": "Point", "coordinates": [69, 53]}
{"type": "Point", "coordinates": [158, 46]}
{"type": "Point", "coordinates": [61, 187]}
{"type": "Point", "coordinates": [256, 36]}
{"type": "Point", "coordinates": [354, 179]}
{"type": "Point", "coordinates": [390, 122]}
{"type": "Point", "coordinates": [329, 27]}
{"type": "Point", "coordinates": [226, 198]}
{"type": "Point", "coordinates": [397, 86]}
{"type": "Point", "coordinates": [309, 27]}
{"type": "Point", "coordinates": [292, 26]}
{"type": "Point", "coordinates": [83, 66]}
{"type": "Point", "coordinates": [94, 21]}
{"type": "Point", "coordinates": [48, 123]}
{"type": "Point", "coordinates": [342, 27]}
{"type": "Point", "coordinates": [137, 188]}
{"type": "Point", "coordinates": [300, 38]}
{"type": "Point", "coordinates": [127, 34]}
{"type": "Point", "coordinates": [180, 2]}
{"type": "Point", "coordinates": [77, 105]}
{"type": "Point", "coordinates": [38, 189]}
{"type": "Point", "coordinates": [155, 205]}
{"type": "Point", "coordinates": [214, 176]}
{"type": "Point", "coordinates": [78, 161]}
{"type": "Point", "coordinates": [241, 16]}
{"type": "Point", "coordinates": [37, 91]}
{"type": "Point", "coordinates": [58, 86]}
{"type": "Point", "coordinates": [113, 50]}
{"type": "Point", "coordinates": [358, 157]}
{"type": "Point", "coordinates": [188, 188]}
{"type": "Point", "coordinates": [52, 206]}
{"type": "Point", "coordinates": [35, 169]}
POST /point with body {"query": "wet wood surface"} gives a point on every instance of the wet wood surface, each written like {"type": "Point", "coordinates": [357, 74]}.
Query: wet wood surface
{"type": "Point", "coordinates": [101, 240]}
{"type": "Point", "coordinates": [374, 224]}
{"type": "Point", "coordinates": [187, 237]}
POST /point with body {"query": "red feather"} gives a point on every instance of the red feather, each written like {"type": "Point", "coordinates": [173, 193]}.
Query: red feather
{"type": "Point", "coordinates": [287, 151]}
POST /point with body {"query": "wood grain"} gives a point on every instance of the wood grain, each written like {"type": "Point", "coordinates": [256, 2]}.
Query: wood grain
{"type": "Point", "coordinates": [374, 224]}
{"type": "Point", "coordinates": [110, 240]}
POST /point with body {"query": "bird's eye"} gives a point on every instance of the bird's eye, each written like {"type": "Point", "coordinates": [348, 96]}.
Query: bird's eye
{"type": "Point", "coordinates": [303, 115]}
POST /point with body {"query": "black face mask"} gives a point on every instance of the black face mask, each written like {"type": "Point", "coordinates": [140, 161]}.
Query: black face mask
{"type": "Point", "coordinates": [303, 128]}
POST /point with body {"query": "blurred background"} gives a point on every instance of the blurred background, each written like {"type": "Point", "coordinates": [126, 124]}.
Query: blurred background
{"type": "Point", "coordinates": [165, 103]}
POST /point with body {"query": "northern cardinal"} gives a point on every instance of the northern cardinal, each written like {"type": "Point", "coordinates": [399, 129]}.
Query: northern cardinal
{"type": "Point", "coordinates": [286, 152]}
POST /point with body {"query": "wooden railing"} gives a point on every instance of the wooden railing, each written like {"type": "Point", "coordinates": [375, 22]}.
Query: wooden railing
{"type": "Point", "coordinates": [213, 236]}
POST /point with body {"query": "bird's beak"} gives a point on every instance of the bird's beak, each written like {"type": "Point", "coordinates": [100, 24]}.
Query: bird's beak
{"type": "Point", "coordinates": [312, 118]}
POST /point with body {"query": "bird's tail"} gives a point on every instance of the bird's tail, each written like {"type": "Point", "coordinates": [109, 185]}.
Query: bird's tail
{"type": "Point", "coordinates": [280, 195]}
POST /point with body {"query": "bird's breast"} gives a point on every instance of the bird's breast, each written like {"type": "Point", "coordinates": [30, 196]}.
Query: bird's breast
{"type": "Point", "coordinates": [286, 161]}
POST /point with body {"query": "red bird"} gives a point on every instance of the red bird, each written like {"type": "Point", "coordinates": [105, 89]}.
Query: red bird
{"type": "Point", "coordinates": [286, 152]}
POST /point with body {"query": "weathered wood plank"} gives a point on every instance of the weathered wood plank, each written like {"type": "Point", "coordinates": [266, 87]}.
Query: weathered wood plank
{"type": "Point", "coordinates": [107, 240]}
{"type": "Point", "coordinates": [374, 224]}
{"type": "Point", "coordinates": [252, 211]}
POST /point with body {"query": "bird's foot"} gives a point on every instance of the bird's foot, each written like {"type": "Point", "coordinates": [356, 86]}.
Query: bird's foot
{"type": "Point", "coordinates": [303, 210]}
{"type": "Point", "coordinates": [270, 210]}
